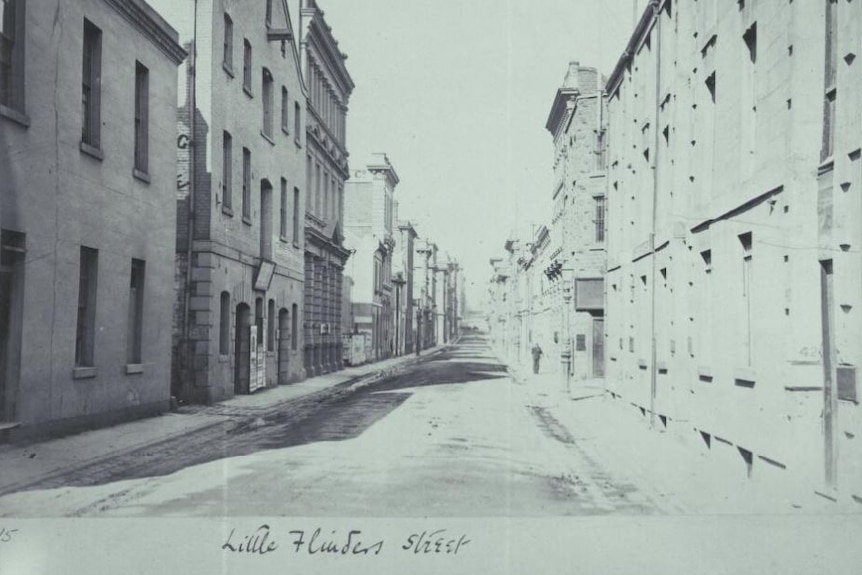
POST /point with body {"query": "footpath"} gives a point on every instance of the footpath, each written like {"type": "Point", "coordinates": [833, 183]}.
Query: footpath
{"type": "Point", "coordinates": [24, 464]}
{"type": "Point", "coordinates": [677, 475]}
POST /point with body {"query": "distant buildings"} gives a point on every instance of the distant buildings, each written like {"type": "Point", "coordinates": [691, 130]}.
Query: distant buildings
{"type": "Point", "coordinates": [87, 128]}
{"type": "Point", "coordinates": [240, 200]}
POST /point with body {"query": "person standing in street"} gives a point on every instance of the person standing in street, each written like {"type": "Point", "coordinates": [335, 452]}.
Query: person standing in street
{"type": "Point", "coordinates": [537, 355]}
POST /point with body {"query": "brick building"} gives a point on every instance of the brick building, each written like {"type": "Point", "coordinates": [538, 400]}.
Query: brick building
{"type": "Point", "coordinates": [239, 198]}
{"type": "Point", "coordinates": [87, 129]}
{"type": "Point", "coordinates": [734, 232]}
{"type": "Point", "coordinates": [578, 123]}
{"type": "Point", "coordinates": [330, 86]}
{"type": "Point", "coordinates": [369, 223]}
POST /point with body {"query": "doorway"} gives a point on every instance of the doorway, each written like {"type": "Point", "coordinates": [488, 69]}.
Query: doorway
{"type": "Point", "coordinates": [283, 345]}
{"type": "Point", "coordinates": [11, 318]}
{"type": "Point", "coordinates": [598, 347]}
{"type": "Point", "coordinates": [242, 350]}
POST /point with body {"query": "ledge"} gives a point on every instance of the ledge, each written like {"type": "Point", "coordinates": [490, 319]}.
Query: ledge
{"type": "Point", "coordinates": [83, 372]}
{"type": "Point", "coordinates": [285, 131]}
{"type": "Point", "coordinates": [226, 210]}
{"type": "Point", "coordinates": [247, 91]}
{"type": "Point", "coordinates": [267, 137]}
{"type": "Point", "coordinates": [143, 176]}
{"type": "Point", "coordinates": [92, 151]}
{"type": "Point", "coordinates": [223, 358]}
{"type": "Point", "coordinates": [227, 68]}
{"type": "Point", "coordinates": [132, 368]}
{"type": "Point", "coordinates": [246, 220]}
{"type": "Point", "coordinates": [14, 115]}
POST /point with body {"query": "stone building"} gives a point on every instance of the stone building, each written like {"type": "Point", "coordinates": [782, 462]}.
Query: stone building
{"type": "Point", "coordinates": [425, 287]}
{"type": "Point", "coordinates": [578, 123]}
{"type": "Point", "coordinates": [369, 223]}
{"type": "Point", "coordinates": [87, 129]}
{"type": "Point", "coordinates": [734, 232]}
{"type": "Point", "coordinates": [240, 199]}
{"type": "Point", "coordinates": [403, 279]}
{"type": "Point", "coordinates": [329, 85]}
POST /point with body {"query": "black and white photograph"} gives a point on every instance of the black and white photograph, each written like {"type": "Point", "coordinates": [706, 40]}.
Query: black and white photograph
{"type": "Point", "coordinates": [462, 286]}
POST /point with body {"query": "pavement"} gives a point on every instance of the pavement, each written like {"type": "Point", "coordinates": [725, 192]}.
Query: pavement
{"type": "Point", "coordinates": [43, 460]}
{"type": "Point", "coordinates": [679, 476]}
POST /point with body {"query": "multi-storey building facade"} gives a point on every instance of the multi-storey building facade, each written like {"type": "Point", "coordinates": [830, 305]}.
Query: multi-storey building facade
{"type": "Point", "coordinates": [239, 199]}
{"type": "Point", "coordinates": [733, 233]}
{"type": "Point", "coordinates": [87, 129]}
{"type": "Point", "coordinates": [404, 280]}
{"type": "Point", "coordinates": [578, 124]}
{"type": "Point", "coordinates": [425, 286]}
{"type": "Point", "coordinates": [369, 214]}
{"type": "Point", "coordinates": [329, 86]}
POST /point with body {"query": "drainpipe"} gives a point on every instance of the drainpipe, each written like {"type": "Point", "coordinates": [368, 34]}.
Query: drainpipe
{"type": "Point", "coordinates": [192, 181]}
{"type": "Point", "coordinates": [653, 369]}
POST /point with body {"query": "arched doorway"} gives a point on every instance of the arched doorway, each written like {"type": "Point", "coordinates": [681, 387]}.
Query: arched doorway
{"type": "Point", "coordinates": [283, 345]}
{"type": "Point", "coordinates": [242, 350]}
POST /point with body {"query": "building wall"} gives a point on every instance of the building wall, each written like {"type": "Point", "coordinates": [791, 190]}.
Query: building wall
{"type": "Point", "coordinates": [62, 198]}
{"type": "Point", "coordinates": [719, 226]}
{"type": "Point", "coordinates": [226, 249]}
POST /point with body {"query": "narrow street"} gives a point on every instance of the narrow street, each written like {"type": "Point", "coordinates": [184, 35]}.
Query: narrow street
{"type": "Point", "coordinates": [453, 434]}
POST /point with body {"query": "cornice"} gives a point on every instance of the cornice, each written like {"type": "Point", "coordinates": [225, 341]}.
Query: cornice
{"type": "Point", "coordinates": [152, 26]}
{"type": "Point", "coordinates": [559, 107]}
{"type": "Point", "coordinates": [637, 38]}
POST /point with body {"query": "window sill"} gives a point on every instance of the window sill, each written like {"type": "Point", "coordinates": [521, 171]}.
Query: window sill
{"type": "Point", "coordinates": [246, 220]}
{"type": "Point", "coordinates": [223, 358]}
{"type": "Point", "coordinates": [226, 210]}
{"type": "Point", "coordinates": [92, 151]}
{"type": "Point", "coordinates": [227, 68]}
{"type": "Point", "coordinates": [133, 368]}
{"type": "Point", "coordinates": [297, 142]}
{"type": "Point", "coordinates": [826, 166]}
{"type": "Point", "coordinates": [83, 372]}
{"type": "Point", "coordinates": [247, 91]}
{"type": "Point", "coordinates": [296, 245]}
{"type": "Point", "coordinates": [282, 239]}
{"type": "Point", "coordinates": [15, 116]}
{"type": "Point", "coordinates": [285, 131]}
{"type": "Point", "coordinates": [140, 175]}
{"type": "Point", "coordinates": [267, 137]}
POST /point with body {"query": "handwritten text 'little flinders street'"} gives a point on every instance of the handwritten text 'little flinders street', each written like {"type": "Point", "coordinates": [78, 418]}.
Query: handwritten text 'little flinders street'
{"type": "Point", "coordinates": [264, 540]}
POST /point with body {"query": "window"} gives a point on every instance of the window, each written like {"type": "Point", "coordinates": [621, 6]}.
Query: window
{"type": "Point", "coordinates": [267, 102]}
{"type": "Point", "coordinates": [294, 326]}
{"type": "Point", "coordinates": [258, 320]}
{"type": "Point", "coordinates": [246, 67]}
{"type": "Point", "coordinates": [284, 101]}
{"type": "Point", "coordinates": [246, 185]}
{"type": "Point", "coordinates": [142, 114]}
{"type": "Point", "coordinates": [750, 39]}
{"type": "Point", "coordinates": [268, 12]}
{"type": "Point", "coordinates": [227, 171]}
{"type": "Point", "coordinates": [224, 324]}
{"type": "Point", "coordinates": [296, 122]}
{"type": "Point", "coordinates": [91, 85]}
{"type": "Point", "coordinates": [136, 312]}
{"type": "Point", "coordinates": [282, 214]}
{"type": "Point", "coordinates": [601, 149]}
{"type": "Point", "coordinates": [600, 219]}
{"type": "Point", "coordinates": [710, 85]}
{"type": "Point", "coordinates": [227, 57]}
{"type": "Point", "coordinates": [296, 216]}
{"type": "Point", "coordinates": [270, 326]}
{"type": "Point", "coordinates": [86, 327]}
{"type": "Point", "coordinates": [12, 54]}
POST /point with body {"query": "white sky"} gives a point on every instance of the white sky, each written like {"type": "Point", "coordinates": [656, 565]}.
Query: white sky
{"type": "Point", "coordinates": [457, 93]}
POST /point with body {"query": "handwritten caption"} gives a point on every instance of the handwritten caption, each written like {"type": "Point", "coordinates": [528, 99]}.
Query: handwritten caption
{"type": "Point", "coordinates": [7, 535]}
{"type": "Point", "coordinates": [264, 540]}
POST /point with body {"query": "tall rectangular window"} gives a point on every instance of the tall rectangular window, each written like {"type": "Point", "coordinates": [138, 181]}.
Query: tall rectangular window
{"type": "Point", "coordinates": [268, 12]}
{"type": "Point", "coordinates": [91, 80]}
{"type": "Point", "coordinates": [600, 219]}
{"type": "Point", "coordinates": [12, 53]}
{"type": "Point", "coordinates": [830, 92]}
{"type": "Point", "coordinates": [266, 91]}
{"type": "Point", "coordinates": [296, 122]}
{"type": "Point", "coordinates": [246, 184]}
{"type": "Point", "coordinates": [136, 312]}
{"type": "Point", "coordinates": [227, 171]}
{"type": "Point", "coordinates": [285, 122]}
{"type": "Point", "coordinates": [246, 66]}
{"type": "Point", "coordinates": [86, 327]}
{"type": "Point", "coordinates": [601, 150]}
{"type": "Point", "coordinates": [282, 214]}
{"type": "Point", "coordinates": [224, 324]}
{"type": "Point", "coordinates": [294, 326]}
{"type": "Point", "coordinates": [296, 216]}
{"type": "Point", "coordinates": [142, 117]}
{"type": "Point", "coordinates": [227, 55]}
{"type": "Point", "coordinates": [270, 326]}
